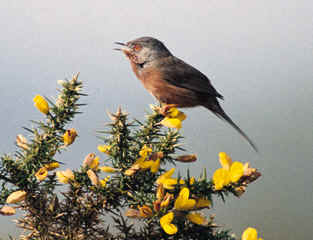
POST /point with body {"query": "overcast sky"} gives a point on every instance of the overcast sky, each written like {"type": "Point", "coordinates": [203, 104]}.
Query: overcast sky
{"type": "Point", "coordinates": [258, 54]}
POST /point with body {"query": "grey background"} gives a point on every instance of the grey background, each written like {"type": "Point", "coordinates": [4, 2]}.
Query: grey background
{"type": "Point", "coordinates": [258, 54]}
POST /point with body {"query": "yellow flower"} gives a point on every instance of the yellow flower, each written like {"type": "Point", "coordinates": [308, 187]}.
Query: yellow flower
{"type": "Point", "coordinates": [108, 169]}
{"type": "Point", "coordinates": [250, 234]}
{"type": "Point", "coordinates": [145, 211]}
{"type": "Point", "coordinates": [16, 196]}
{"type": "Point", "coordinates": [69, 136]}
{"type": "Point", "coordinates": [7, 211]}
{"type": "Point", "coordinates": [166, 180]}
{"type": "Point", "coordinates": [166, 223]}
{"type": "Point", "coordinates": [173, 118]}
{"type": "Point", "coordinates": [160, 192]}
{"type": "Point", "coordinates": [92, 161]}
{"type": "Point", "coordinates": [104, 148]}
{"type": "Point", "coordinates": [93, 177]}
{"type": "Point", "coordinates": [169, 183]}
{"type": "Point", "coordinates": [230, 171]}
{"type": "Point", "coordinates": [192, 180]}
{"type": "Point", "coordinates": [221, 178]}
{"type": "Point", "coordinates": [41, 104]}
{"type": "Point", "coordinates": [52, 166]}
{"type": "Point", "coordinates": [203, 203]}
{"type": "Point", "coordinates": [225, 160]}
{"type": "Point", "coordinates": [181, 181]}
{"type": "Point", "coordinates": [165, 175]}
{"type": "Point", "coordinates": [166, 200]}
{"type": "Point", "coordinates": [196, 218]}
{"type": "Point", "coordinates": [141, 163]}
{"type": "Point", "coordinates": [103, 182]}
{"type": "Point", "coordinates": [132, 170]}
{"type": "Point", "coordinates": [41, 174]}
{"type": "Point", "coordinates": [236, 171]}
{"type": "Point", "coordinates": [153, 165]}
{"type": "Point", "coordinates": [65, 176]}
{"type": "Point", "coordinates": [145, 151]}
{"type": "Point", "coordinates": [183, 202]}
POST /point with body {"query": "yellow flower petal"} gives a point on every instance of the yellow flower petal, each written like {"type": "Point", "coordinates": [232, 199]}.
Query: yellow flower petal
{"type": "Point", "coordinates": [171, 122]}
{"type": "Point", "coordinates": [108, 169]}
{"type": "Point", "coordinates": [41, 104]}
{"type": "Point", "coordinates": [16, 196]}
{"type": "Point", "coordinates": [65, 176]}
{"type": "Point", "coordinates": [192, 180]}
{"type": "Point", "coordinates": [183, 202]}
{"type": "Point", "coordinates": [145, 151]}
{"type": "Point", "coordinates": [155, 166]}
{"type": "Point", "coordinates": [236, 171]}
{"type": "Point", "coordinates": [172, 112]}
{"type": "Point", "coordinates": [132, 170]}
{"type": "Point", "coordinates": [95, 163]}
{"type": "Point", "coordinates": [52, 166]}
{"type": "Point", "coordinates": [225, 160]}
{"type": "Point", "coordinates": [167, 199]}
{"type": "Point", "coordinates": [166, 223]}
{"type": "Point", "coordinates": [249, 234]}
{"type": "Point", "coordinates": [41, 174]}
{"type": "Point", "coordinates": [165, 175]}
{"type": "Point", "coordinates": [181, 116]}
{"type": "Point", "coordinates": [160, 192]}
{"type": "Point", "coordinates": [89, 159]}
{"type": "Point", "coordinates": [196, 218]}
{"type": "Point", "coordinates": [145, 164]}
{"type": "Point", "coordinates": [221, 178]}
{"type": "Point", "coordinates": [169, 183]}
{"type": "Point", "coordinates": [104, 148]}
{"type": "Point", "coordinates": [69, 136]}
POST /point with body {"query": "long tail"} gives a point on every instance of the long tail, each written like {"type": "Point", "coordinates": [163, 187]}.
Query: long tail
{"type": "Point", "coordinates": [220, 113]}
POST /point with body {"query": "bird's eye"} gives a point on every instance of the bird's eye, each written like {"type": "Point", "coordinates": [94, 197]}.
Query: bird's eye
{"type": "Point", "coordinates": [137, 47]}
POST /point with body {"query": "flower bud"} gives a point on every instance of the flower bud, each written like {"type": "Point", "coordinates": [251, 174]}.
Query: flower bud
{"type": "Point", "coordinates": [93, 177]}
{"type": "Point", "coordinates": [21, 141]}
{"type": "Point", "coordinates": [41, 174]}
{"type": "Point", "coordinates": [41, 104]}
{"type": "Point", "coordinates": [16, 197]}
{"type": "Point", "coordinates": [240, 190]}
{"type": "Point", "coordinates": [187, 158]}
{"type": "Point", "coordinates": [145, 211]}
{"type": "Point", "coordinates": [69, 136]}
{"type": "Point", "coordinates": [7, 211]}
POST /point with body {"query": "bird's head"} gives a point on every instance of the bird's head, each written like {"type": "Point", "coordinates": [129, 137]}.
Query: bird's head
{"type": "Point", "coordinates": [143, 50]}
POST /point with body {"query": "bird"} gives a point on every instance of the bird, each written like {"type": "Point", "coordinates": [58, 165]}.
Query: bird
{"type": "Point", "coordinates": [172, 81]}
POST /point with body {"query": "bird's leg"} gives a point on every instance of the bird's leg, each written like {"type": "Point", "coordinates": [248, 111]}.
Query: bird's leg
{"type": "Point", "coordinates": [165, 108]}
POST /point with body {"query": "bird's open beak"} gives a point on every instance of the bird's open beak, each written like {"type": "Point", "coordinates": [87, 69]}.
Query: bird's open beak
{"type": "Point", "coordinates": [124, 47]}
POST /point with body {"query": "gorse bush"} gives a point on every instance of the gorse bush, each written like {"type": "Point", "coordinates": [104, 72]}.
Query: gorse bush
{"type": "Point", "coordinates": [131, 194]}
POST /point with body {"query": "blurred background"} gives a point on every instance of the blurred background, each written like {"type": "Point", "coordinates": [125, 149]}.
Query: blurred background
{"type": "Point", "coordinates": [258, 54]}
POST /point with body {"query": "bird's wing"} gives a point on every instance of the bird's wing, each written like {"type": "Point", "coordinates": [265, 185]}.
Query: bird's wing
{"type": "Point", "coordinates": [183, 75]}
